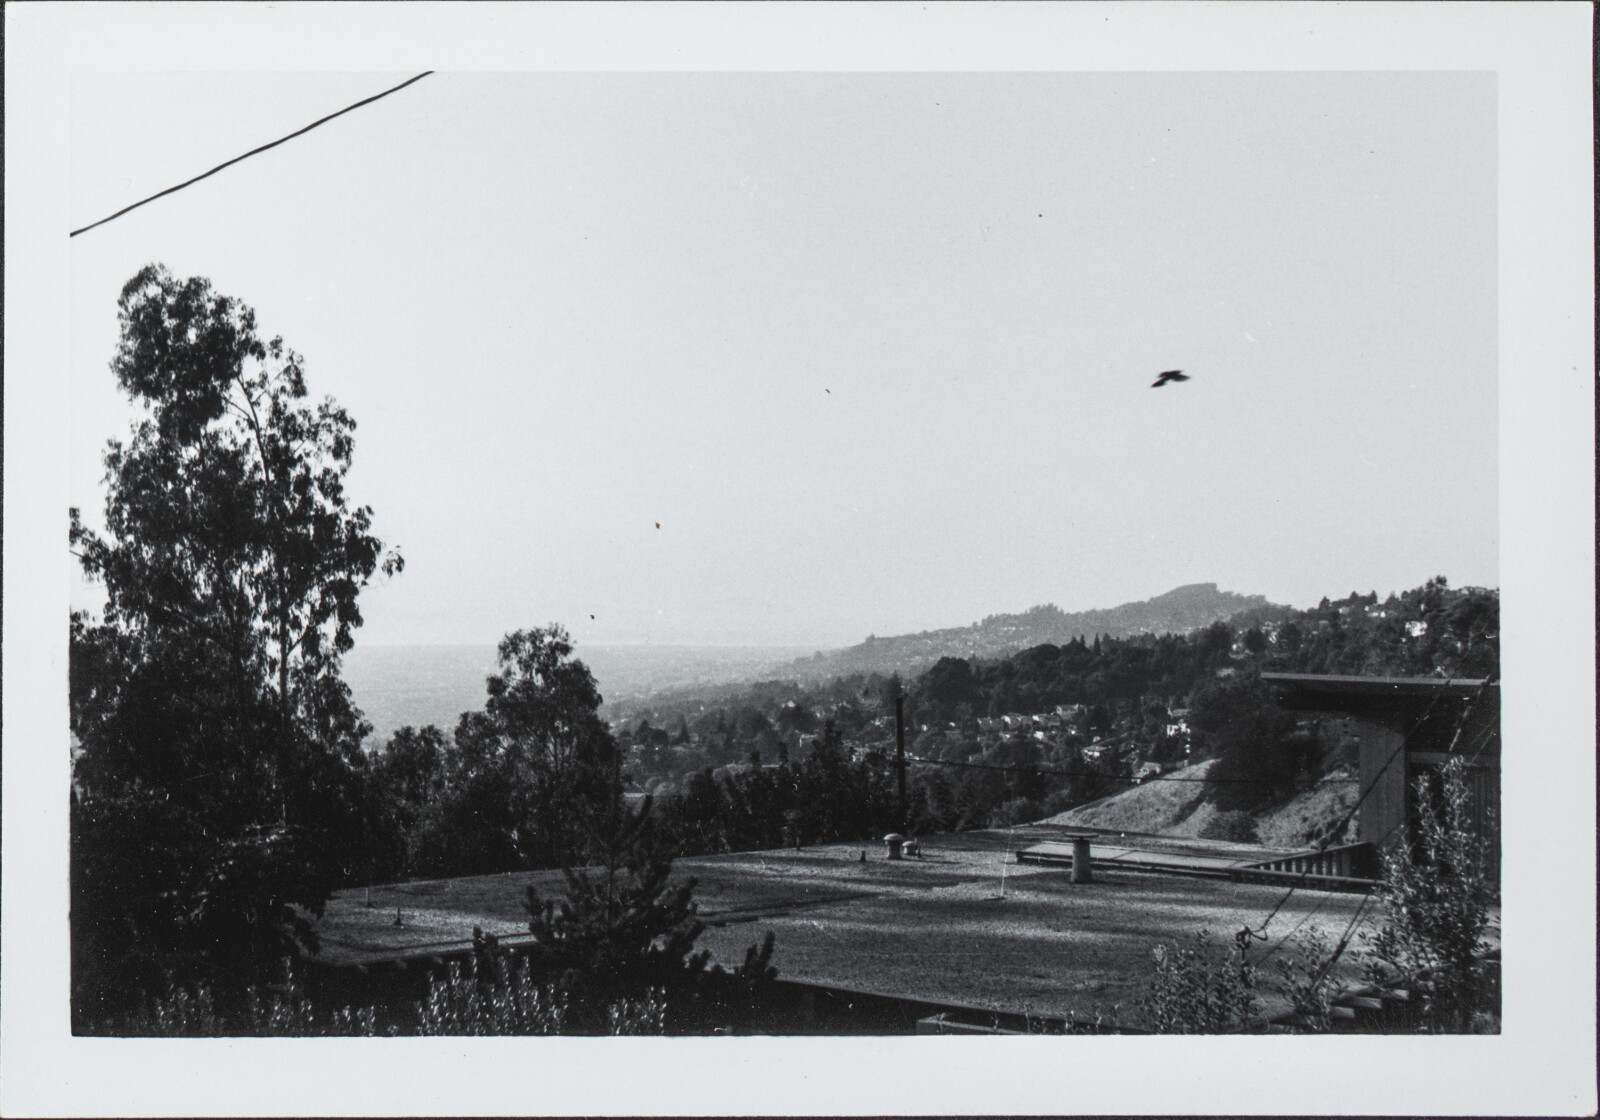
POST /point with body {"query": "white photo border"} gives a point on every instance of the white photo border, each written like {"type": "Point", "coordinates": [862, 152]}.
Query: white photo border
{"type": "Point", "coordinates": [1542, 1062]}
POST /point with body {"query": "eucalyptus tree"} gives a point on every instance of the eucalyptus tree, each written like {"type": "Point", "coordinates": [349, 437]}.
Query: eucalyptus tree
{"type": "Point", "coordinates": [217, 778]}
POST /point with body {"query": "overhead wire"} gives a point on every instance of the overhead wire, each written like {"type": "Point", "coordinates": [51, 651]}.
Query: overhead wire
{"type": "Point", "coordinates": [1304, 918]}
{"type": "Point", "coordinates": [1366, 907]}
{"type": "Point", "coordinates": [1260, 933]}
{"type": "Point", "coordinates": [1107, 777]}
{"type": "Point", "coordinates": [252, 152]}
{"type": "Point", "coordinates": [1367, 894]}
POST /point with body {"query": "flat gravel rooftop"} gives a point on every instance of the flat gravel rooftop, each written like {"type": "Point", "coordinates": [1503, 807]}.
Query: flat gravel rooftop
{"type": "Point", "coordinates": [963, 924]}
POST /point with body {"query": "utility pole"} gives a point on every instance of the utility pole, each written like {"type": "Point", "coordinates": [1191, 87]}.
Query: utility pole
{"type": "Point", "coordinates": [900, 752]}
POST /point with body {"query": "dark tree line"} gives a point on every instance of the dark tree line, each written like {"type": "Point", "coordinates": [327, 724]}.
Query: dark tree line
{"type": "Point", "coordinates": [825, 797]}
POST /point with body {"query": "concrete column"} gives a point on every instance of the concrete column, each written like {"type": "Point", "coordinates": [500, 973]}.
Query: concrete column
{"type": "Point", "coordinates": [1081, 872]}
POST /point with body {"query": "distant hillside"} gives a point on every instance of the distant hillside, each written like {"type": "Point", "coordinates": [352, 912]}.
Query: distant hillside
{"type": "Point", "coordinates": [1178, 611]}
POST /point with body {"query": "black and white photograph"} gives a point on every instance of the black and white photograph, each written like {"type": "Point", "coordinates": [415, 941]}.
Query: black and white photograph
{"type": "Point", "coordinates": [1007, 545]}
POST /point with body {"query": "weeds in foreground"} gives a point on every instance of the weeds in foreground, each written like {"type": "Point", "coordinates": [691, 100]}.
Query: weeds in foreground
{"type": "Point", "coordinates": [647, 1015]}
{"type": "Point", "coordinates": [1199, 989]}
{"type": "Point", "coordinates": [1101, 1020]}
{"type": "Point", "coordinates": [472, 1001]}
{"type": "Point", "coordinates": [1439, 896]}
{"type": "Point", "coordinates": [1303, 969]}
{"type": "Point", "coordinates": [278, 1010]}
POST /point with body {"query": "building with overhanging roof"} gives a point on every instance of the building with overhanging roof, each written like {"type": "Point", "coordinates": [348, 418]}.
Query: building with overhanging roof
{"type": "Point", "coordinates": [1408, 728]}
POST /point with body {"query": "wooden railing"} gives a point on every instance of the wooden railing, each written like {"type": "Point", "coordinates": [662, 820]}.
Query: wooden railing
{"type": "Point", "coordinates": [1347, 861]}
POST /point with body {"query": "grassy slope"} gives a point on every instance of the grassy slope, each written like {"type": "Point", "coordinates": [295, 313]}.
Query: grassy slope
{"type": "Point", "coordinates": [1178, 808]}
{"type": "Point", "coordinates": [1158, 806]}
{"type": "Point", "coordinates": [1305, 820]}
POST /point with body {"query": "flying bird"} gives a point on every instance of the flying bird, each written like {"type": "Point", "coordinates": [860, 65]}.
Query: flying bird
{"type": "Point", "coordinates": [1169, 375]}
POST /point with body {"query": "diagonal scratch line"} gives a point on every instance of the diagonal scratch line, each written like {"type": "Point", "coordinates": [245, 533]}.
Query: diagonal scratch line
{"type": "Point", "coordinates": [251, 152]}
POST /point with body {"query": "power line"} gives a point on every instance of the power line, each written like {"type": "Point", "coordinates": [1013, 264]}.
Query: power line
{"type": "Point", "coordinates": [1367, 895]}
{"type": "Point", "coordinates": [1107, 777]}
{"type": "Point", "coordinates": [1261, 932]}
{"type": "Point", "coordinates": [251, 152]}
{"type": "Point", "coordinates": [1304, 918]}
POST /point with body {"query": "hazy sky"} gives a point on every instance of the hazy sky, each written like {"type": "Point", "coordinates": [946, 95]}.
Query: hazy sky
{"type": "Point", "coordinates": [874, 350]}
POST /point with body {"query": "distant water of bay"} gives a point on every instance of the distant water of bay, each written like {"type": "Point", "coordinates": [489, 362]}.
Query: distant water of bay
{"type": "Point", "coordinates": [401, 686]}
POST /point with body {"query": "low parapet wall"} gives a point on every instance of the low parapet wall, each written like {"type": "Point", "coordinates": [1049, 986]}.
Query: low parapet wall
{"type": "Point", "coordinates": [1349, 867]}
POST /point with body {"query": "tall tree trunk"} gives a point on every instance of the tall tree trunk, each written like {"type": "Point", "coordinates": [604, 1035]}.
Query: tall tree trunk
{"type": "Point", "coordinates": [283, 712]}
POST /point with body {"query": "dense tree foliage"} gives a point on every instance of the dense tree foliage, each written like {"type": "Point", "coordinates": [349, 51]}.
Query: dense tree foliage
{"type": "Point", "coordinates": [525, 779]}
{"type": "Point", "coordinates": [824, 797]}
{"type": "Point", "coordinates": [1261, 755]}
{"type": "Point", "coordinates": [218, 778]}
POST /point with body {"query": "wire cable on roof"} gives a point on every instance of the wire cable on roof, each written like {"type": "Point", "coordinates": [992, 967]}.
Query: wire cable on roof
{"type": "Point", "coordinates": [251, 152]}
{"type": "Point", "coordinates": [1260, 933]}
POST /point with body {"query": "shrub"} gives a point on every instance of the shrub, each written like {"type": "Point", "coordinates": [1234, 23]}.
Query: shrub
{"type": "Point", "coordinates": [1018, 810]}
{"type": "Point", "coordinates": [1198, 989]}
{"type": "Point", "coordinates": [647, 1015]}
{"type": "Point", "coordinates": [1438, 897]}
{"type": "Point", "coordinates": [1303, 970]}
{"type": "Point", "coordinates": [1060, 801]}
{"type": "Point", "coordinates": [622, 929]}
{"type": "Point", "coordinates": [1235, 825]}
{"type": "Point", "coordinates": [490, 998]}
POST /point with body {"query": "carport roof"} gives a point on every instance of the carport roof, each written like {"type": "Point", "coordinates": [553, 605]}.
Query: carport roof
{"type": "Point", "coordinates": [1338, 693]}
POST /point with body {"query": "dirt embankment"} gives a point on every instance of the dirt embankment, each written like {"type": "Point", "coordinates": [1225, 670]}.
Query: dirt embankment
{"type": "Point", "coordinates": [1167, 805]}
{"type": "Point", "coordinates": [1176, 805]}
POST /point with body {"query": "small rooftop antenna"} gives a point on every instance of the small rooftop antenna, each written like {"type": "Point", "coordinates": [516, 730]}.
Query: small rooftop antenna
{"type": "Point", "coordinates": [1011, 834]}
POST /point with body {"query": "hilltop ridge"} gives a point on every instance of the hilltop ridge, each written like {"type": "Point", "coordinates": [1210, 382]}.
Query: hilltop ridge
{"type": "Point", "coordinates": [1178, 611]}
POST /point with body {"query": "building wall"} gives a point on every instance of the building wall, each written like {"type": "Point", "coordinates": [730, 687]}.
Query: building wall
{"type": "Point", "coordinates": [1383, 771]}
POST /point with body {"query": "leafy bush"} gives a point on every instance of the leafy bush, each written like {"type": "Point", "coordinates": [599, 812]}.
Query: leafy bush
{"type": "Point", "coordinates": [1303, 969]}
{"type": "Point", "coordinates": [1198, 989]}
{"type": "Point", "coordinates": [1439, 896]}
{"type": "Point", "coordinates": [1019, 810]}
{"type": "Point", "coordinates": [646, 1015]}
{"type": "Point", "coordinates": [490, 998]}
